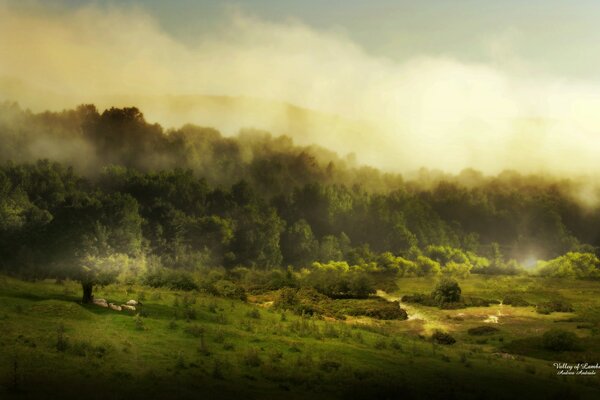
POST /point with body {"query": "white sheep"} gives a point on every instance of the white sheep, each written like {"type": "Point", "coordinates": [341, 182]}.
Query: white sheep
{"type": "Point", "coordinates": [100, 302]}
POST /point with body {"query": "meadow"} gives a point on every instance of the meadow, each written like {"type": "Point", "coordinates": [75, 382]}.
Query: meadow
{"type": "Point", "coordinates": [195, 345]}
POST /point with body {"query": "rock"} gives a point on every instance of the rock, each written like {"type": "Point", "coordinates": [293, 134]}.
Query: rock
{"type": "Point", "coordinates": [114, 307]}
{"type": "Point", "coordinates": [132, 303]}
{"type": "Point", "coordinates": [126, 307]}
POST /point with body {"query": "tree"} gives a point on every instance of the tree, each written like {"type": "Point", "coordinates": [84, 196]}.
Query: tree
{"type": "Point", "coordinates": [96, 271]}
{"type": "Point", "coordinates": [572, 265]}
{"type": "Point", "coordinates": [446, 291]}
{"type": "Point", "coordinates": [298, 244]}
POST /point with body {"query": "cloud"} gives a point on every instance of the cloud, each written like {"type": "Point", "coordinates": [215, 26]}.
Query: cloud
{"type": "Point", "coordinates": [431, 111]}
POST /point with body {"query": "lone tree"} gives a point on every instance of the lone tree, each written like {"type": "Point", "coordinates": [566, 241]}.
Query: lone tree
{"type": "Point", "coordinates": [97, 271]}
{"type": "Point", "coordinates": [446, 291]}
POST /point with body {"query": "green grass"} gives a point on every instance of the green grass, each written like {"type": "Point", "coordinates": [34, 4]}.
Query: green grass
{"type": "Point", "coordinates": [191, 345]}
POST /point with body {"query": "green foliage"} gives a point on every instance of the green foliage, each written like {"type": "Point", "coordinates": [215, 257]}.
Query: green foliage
{"type": "Point", "coordinates": [170, 278]}
{"type": "Point", "coordinates": [571, 265]}
{"type": "Point", "coordinates": [515, 300]}
{"type": "Point", "coordinates": [228, 289]}
{"type": "Point", "coordinates": [560, 340]}
{"type": "Point", "coordinates": [339, 280]}
{"type": "Point", "coordinates": [555, 305]}
{"type": "Point", "coordinates": [446, 291]}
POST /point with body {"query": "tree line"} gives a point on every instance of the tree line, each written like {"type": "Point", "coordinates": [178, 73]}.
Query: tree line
{"type": "Point", "coordinates": [191, 199]}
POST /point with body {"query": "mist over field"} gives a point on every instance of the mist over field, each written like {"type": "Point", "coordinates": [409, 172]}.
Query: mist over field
{"type": "Point", "coordinates": [432, 110]}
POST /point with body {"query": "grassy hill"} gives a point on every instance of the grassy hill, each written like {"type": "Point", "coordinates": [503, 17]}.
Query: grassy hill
{"type": "Point", "coordinates": [194, 345]}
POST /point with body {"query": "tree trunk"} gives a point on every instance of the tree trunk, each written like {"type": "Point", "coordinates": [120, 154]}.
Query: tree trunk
{"type": "Point", "coordinates": [87, 292]}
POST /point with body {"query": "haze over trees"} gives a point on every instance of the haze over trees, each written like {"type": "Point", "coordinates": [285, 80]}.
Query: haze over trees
{"type": "Point", "coordinates": [83, 188]}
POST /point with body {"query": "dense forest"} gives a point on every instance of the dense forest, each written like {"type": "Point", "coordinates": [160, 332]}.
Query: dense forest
{"type": "Point", "coordinates": [81, 189]}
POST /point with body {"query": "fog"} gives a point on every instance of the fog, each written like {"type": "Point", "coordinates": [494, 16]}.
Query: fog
{"type": "Point", "coordinates": [314, 85]}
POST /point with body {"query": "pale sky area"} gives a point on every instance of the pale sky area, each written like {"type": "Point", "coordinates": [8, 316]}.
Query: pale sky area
{"type": "Point", "coordinates": [441, 84]}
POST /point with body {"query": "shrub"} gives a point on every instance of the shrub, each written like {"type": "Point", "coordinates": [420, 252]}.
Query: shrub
{"type": "Point", "coordinates": [84, 348]}
{"type": "Point", "coordinates": [61, 340]}
{"type": "Point", "coordinates": [483, 330]}
{"type": "Point", "coordinates": [446, 291]}
{"type": "Point", "coordinates": [338, 280]}
{"type": "Point", "coordinates": [286, 299]}
{"type": "Point", "coordinates": [254, 313]}
{"type": "Point", "coordinates": [515, 300]}
{"type": "Point", "coordinates": [228, 346]}
{"type": "Point", "coordinates": [471, 301]}
{"type": "Point", "coordinates": [554, 306]}
{"type": "Point", "coordinates": [225, 288]}
{"type": "Point", "coordinates": [194, 330]}
{"type": "Point", "coordinates": [220, 337]}
{"type": "Point", "coordinates": [180, 361]}
{"type": "Point", "coordinates": [560, 340]}
{"type": "Point", "coordinates": [174, 279]}
{"type": "Point", "coordinates": [252, 358]}
{"type": "Point", "coordinates": [217, 372]}
{"type": "Point", "coordinates": [419, 298]}
{"type": "Point", "coordinates": [275, 355]}
{"type": "Point", "coordinates": [375, 308]}
{"type": "Point", "coordinates": [442, 338]}
{"type": "Point", "coordinates": [139, 323]}
{"type": "Point", "coordinates": [189, 313]}
{"type": "Point", "coordinates": [329, 365]}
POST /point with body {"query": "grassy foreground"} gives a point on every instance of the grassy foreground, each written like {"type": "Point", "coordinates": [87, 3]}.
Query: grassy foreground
{"type": "Point", "coordinates": [194, 345]}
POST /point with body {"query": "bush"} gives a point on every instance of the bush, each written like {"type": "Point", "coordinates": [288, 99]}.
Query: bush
{"type": "Point", "coordinates": [338, 280]}
{"type": "Point", "coordinates": [375, 308]}
{"type": "Point", "coordinates": [560, 340]}
{"type": "Point", "coordinates": [189, 313]}
{"type": "Point", "coordinates": [440, 337]}
{"type": "Point", "coordinates": [305, 301]}
{"type": "Point", "coordinates": [286, 299]}
{"type": "Point", "coordinates": [554, 306]}
{"type": "Point", "coordinates": [139, 323]}
{"type": "Point", "coordinates": [194, 330]}
{"type": "Point", "coordinates": [472, 301]}
{"type": "Point", "coordinates": [61, 340]}
{"type": "Point", "coordinates": [254, 313]}
{"type": "Point", "coordinates": [515, 300]}
{"type": "Point", "coordinates": [446, 291]}
{"type": "Point", "coordinates": [483, 330]}
{"type": "Point", "coordinates": [174, 279]}
{"type": "Point", "coordinates": [225, 288]}
{"type": "Point", "coordinates": [252, 358]}
{"type": "Point", "coordinates": [329, 365]}
{"type": "Point", "coordinates": [420, 298]}
{"type": "Point", "coordinates": [380, 344]}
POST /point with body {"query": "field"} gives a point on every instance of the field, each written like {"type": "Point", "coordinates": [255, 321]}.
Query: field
{"type": "Point", "coordinates": [195, 345]}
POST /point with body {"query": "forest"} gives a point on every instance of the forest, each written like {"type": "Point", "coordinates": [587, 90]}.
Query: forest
{"type": "Point", "coordinates": [83, 188]}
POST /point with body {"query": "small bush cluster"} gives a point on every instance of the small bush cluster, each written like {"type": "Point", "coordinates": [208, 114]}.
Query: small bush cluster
{"type": "Point", "coordinates": [557, 305]}
{"type": "Point", "coordinates": [515, 300]}
{"type": "Point", "coordinates": [440, 337]}
{"type": "Point", "coordinates": [560, 340]}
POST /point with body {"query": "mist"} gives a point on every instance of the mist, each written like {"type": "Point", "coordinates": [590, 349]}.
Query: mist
{"type": "Point", "coordinates": [316, 86]}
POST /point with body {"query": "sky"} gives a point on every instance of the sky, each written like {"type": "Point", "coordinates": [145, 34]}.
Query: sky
{"type": "Point", "coordinates": [441, 84]}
